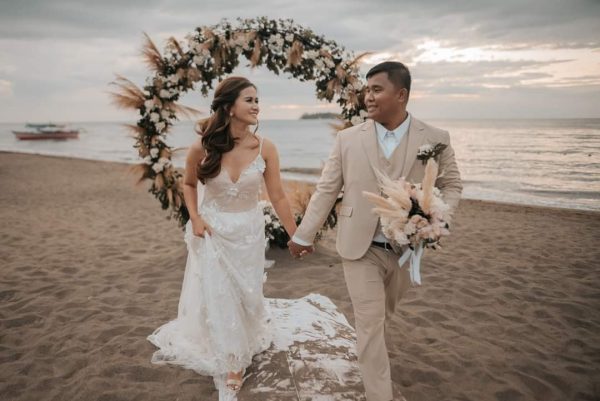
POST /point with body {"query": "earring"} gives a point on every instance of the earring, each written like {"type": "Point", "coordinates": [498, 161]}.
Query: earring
{"type": "Point", "coordinates": [230, 114]}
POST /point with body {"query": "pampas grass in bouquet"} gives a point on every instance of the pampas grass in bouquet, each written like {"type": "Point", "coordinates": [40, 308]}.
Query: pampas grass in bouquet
{"type": "Point", "coordinates": [413, 215]}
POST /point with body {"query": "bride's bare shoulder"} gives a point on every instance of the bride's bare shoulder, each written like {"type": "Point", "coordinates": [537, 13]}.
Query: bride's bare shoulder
{"type": "Point", "coordinates": [268, 147]}
{"type": "Point", "coordinates": [196, 151]}
{"type": "Point", "coordinates": [196, 146]}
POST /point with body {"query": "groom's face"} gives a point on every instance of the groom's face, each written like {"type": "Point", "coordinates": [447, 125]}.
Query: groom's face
{"type": "Point", "coordinates": [383, 99]}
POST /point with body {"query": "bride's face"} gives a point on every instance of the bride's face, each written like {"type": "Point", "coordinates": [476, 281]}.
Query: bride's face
{"type": "Point", "coordinates": [245, 109]}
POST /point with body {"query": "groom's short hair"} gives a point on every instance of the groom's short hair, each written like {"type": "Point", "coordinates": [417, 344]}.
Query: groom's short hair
{"type": "Point", "coordinates": [397, 73]}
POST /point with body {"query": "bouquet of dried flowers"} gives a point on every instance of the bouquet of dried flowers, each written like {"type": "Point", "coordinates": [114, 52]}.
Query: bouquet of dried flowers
{"type": "Point", "coordinates": [412, 215]}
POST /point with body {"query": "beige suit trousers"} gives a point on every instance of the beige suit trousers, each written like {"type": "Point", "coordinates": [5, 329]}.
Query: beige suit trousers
{"type": "Point", "coordinates": [375, 284]}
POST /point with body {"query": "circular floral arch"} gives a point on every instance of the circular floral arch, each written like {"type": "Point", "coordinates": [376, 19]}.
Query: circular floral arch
{"type": "Point", "coordinates": [210, 53]}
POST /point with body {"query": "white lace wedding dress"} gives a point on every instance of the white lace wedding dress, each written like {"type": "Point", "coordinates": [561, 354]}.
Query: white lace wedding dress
{"type": "Point", "coordinates": [222, 321]}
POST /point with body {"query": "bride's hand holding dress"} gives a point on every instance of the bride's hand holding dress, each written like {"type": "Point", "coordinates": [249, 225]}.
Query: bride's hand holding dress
{"type": "Point", "coordinates": [199, 226]}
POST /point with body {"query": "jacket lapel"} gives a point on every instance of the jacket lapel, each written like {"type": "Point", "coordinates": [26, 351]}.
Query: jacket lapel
{"type": "Point", "coordinates": [416, 138]}
{"type": "Point", "coordinates": [370, 145]}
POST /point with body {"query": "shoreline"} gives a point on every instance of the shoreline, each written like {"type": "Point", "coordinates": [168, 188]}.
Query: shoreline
{"type": "Point", "coordinates": [300, 170]}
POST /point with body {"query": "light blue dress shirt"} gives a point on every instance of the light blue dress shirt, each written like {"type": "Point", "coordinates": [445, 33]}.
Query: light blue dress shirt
{"type": "Point", "coordinates": [389, 142]}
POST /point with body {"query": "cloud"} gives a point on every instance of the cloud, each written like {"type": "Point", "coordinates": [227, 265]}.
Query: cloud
{"type": "Point", "coordinates": [354, 22]}
{"type": "Point", "coordinates": [471, 79]}
{"type": "Point", "coordinates": [5, 88]}
{"type": "Point", "coordinates": [585, 80]}
{"type": "Point", "coordinates": [519, 102]}
{"type": "Point", "coordinates": [53, 51]}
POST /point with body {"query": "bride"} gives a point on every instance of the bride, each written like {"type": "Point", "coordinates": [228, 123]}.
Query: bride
{"type": "Point", "coordinates": [222, 321]}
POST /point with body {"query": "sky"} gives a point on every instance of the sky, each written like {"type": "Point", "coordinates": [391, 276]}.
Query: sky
{"type": "Point", "coordinates": [468, 58]}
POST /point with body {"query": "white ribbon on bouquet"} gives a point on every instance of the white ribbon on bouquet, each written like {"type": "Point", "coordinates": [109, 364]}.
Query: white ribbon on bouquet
{"type": "Point", "coordinates": [415, 263]}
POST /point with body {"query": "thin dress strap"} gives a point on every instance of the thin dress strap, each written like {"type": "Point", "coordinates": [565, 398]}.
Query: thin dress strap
{"type": "Point", "coordinates": [260, 145]}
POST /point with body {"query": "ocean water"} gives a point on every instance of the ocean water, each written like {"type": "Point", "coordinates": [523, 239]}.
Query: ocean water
{"type": "Point", "coordinates": [538, 162]}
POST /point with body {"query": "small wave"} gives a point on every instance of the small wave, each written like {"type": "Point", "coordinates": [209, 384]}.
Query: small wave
{"type": "Point", "coordinates": [301, 170]}
{"type": "Point", "coordinates": [592, 195]}
{"type": "Point", "coordinates": [587, 165]}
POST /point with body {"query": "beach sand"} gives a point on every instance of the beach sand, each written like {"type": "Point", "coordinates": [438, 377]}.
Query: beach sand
{"type": "Point", "coordinates": [508, 310]}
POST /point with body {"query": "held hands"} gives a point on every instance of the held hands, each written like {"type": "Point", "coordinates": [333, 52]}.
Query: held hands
{"type": "Point", "coordinates": [298, 251]}
{"type": "Point", "coordinates": [200, 227]}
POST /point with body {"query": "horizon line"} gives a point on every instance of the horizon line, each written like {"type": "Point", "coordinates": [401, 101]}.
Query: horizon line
{"type": "Point", "coordinates": [310, 119]}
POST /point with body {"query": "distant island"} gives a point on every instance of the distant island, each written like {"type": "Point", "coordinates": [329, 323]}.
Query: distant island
{"type": "Point", "coordinates": [314, 116]}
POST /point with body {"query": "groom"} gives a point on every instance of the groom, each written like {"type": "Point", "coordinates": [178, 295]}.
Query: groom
{"type": "Point", "coordinates": [388, 142]}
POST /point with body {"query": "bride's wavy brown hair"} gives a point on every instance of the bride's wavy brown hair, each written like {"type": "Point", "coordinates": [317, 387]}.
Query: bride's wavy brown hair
{"type": "Point", "coordinates": [215, 130]}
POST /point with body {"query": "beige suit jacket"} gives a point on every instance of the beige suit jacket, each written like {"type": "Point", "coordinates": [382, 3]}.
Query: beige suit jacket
{"type": "Point", "coordinates": [352, 164]}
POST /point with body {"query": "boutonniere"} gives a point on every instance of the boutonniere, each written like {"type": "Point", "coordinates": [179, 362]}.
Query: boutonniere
{"type": "Point", "coordinates": [429, 151]}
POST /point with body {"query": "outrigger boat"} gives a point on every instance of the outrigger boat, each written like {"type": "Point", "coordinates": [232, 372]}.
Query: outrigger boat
{"type": "Point", "coordinates": [46, 131]}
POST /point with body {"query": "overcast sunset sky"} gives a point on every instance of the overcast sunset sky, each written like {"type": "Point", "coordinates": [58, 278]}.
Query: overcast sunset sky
{"type": "Point", "coordinates": [469, 58]}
